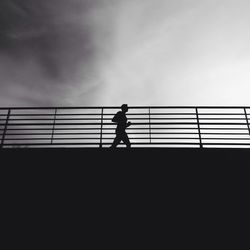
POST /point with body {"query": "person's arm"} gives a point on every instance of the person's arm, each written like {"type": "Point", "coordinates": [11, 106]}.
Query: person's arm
{"type": "Point", "coordinates": [128, 124]}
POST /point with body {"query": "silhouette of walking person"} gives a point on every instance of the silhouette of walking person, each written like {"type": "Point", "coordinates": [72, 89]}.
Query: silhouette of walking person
{"type": "Point", "coordinates": [121, 120]}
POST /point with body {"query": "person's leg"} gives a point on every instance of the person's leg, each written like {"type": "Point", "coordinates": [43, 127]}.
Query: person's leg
{"type": "Point", "coordinates": [125, 139]}
{"type": "Point", "coordinates": [116, 141]}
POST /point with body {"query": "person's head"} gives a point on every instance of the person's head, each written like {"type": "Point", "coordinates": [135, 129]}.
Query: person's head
{"type": "Point", "coordinates": [124, 108]}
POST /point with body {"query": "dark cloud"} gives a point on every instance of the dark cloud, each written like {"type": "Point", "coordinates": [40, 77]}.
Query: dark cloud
{"type": "Point", "coordinates": [47, 30]}
{"type": "Point", "coordinates": [53, 36]}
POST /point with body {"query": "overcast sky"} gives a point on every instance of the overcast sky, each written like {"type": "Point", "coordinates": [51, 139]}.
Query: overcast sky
{"type": "Point", "coordinates": [109, 52]}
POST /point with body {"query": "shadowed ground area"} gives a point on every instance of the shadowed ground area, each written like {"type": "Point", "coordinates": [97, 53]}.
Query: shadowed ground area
{"type": "Point", "coordinates": [153, 159]}
{"type": "Point", "coordinates": [126, 194]}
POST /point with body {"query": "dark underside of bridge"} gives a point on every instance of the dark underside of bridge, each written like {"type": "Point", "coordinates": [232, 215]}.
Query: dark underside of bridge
{"type": "Point", "coordinates": [127, 167]}
{"type": "Point", "coordinates": [146, 169]}
{"type": "Point", "coordinates": [190, 195]}
{"type": "Point", "coordinates": [152, 159]}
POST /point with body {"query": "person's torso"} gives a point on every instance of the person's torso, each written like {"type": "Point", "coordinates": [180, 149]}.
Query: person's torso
{"type": "Point", "coordinates": [121, 121]}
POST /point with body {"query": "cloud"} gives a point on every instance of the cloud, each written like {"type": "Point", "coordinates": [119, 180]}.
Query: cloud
{"type": "Point", "coordinates": [179, 53]}
{"type": "Point", "coordinates": [46, 48]}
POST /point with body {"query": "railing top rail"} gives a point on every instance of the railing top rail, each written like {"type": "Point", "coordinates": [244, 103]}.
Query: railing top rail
{"type": "Point", "coordinates": [118, 107]}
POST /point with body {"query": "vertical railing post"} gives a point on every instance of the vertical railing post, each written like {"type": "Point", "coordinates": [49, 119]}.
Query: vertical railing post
{"type": "Point", "coordinates": [248, 126]}
{"type": "Point", "coordinates": [199, 129]}
{"type": "Point", "coordinates": [101, 128]}
{"type": "Point", "coordinates": [53, 128]}
{"type": "Point", "coordinates": [149, 118]}
{"type": "Point", "coordinates": [5, 128]}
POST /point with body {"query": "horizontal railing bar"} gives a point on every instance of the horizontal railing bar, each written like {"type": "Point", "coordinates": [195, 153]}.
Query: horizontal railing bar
{"type": "Point", "coordinates": [205, 114]}
{"type": "Point", "coordinates": [69, 114]}
{"type": "Point", "coordinates": [82, 129]}
{"type": "Point", "coordinates": [226, 144]}
{"type": "Point", "coordinates": [199, 107]}
{"type": "Point", "coordinates": [106, 138]}
{"type": "Point", "coordinates": [160, 144]}
{"type": "Point", "coordinates": [186, 128]}
{"type": "Point", "coordinates": [223, 129]}
{"type": "Point", "coordinates": [111, 114]}
{"type": "Point", "coordinates": [109, 119]}
{"type": "Point", "coordinates": [97, 143]}
{"type": "Point", "coordinates": [106, 119]}
{"type": "Point", "coordinates": [131, 114]}
{"type": "Point", "coordinates": [229, 114]}
{"type": "Point", "coordinates": [27, 139]}
{"type": "Point", "coordinates": [192, 123]}
{"type": "Point", "coordinates": [219, 139]}
{"type": "Point", "coordinates": [73, 129]}
{"type": "Point", "coordinates": [137, 123]}
{"type": "Point", "coordinates": [57, 124]}
{"type": "Point", "coordinates": [173, 128]}
{"type": "Point", "coordinates": [192, 138]}
{"type": "Point", "coordinates": [225, 133]}
{"type": "Point", "coordinates": [132, 138]}
{"type": "Point", "coordinates": [49, 144]}
{"type": "Point", "coordinates": [57, 119]}
{"type": "Point", "coordinates": [118, 107]}
{"type": "Point", "coordinates": [159, 114]}
{"type": "Point", "coordinates": [67, 108]}
{"type": "Point", "coordinates": [29, 114]}
{"type": "Point", "coordinates": [226, 119]}
{"type": "Point", "coordinates": [139, 143]}
{"type": "Point", "coordinates": [54, 139]}
{"type": "Point", "coordinates": [153, 133]}
{"type": "Point", "coordinates": [143, 113]}
{"type": "Point", "coordinates": [94, 114]}
{"type": "Point", "coordinates": [99, 119]}
{"type": "Point", "coordinates": [98, 133]}
{"type": "Point", "coordinates": [33, 129]}
{"type": "Point", "coordinates": [181, 118]}
{"type": "Point", "coordinates": [232, 146]}
{"type": "Point", "coordinates": [19, 134]}
{"type": "Point", "coordinates": [182, 133]}
{"type": "Point", "coordinates": [97, 114]}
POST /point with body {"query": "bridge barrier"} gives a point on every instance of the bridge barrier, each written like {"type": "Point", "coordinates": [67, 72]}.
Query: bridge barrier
{"type": "Point", "coordinates": [154, 126]}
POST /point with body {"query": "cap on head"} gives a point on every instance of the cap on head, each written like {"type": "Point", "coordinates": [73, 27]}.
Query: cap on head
{"type": "Point", "coordinates": [124, 107]}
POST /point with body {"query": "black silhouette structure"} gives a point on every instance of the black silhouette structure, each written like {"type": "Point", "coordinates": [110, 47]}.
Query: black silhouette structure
{"type": "Point", "coordinates": [121, 120]}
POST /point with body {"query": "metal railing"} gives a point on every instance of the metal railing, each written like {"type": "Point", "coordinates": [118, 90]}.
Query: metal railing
{"type": "Point", "coordinates": [157, 126]}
